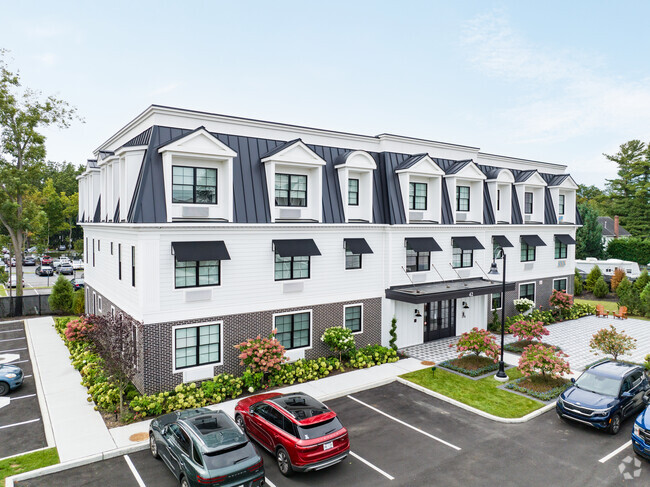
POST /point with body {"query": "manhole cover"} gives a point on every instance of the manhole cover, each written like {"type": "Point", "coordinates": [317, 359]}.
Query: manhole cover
{"type": "Point", "coordinates": [139, 437]}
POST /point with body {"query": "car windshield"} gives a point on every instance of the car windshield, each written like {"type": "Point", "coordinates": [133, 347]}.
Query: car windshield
{"type": "Point", "coordinates": [311, 431]}
{"type": "Point", "coordinates": [607, 386]}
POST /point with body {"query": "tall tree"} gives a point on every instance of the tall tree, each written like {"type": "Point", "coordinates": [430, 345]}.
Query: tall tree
{"type": "Point", "coordinates": [589, 236]}
{"type": "Point", "coordinates": [23, 114]}
{"type": "Point", "coordinates": [593, 196]}
{"type": "Point", "coordinates": [63, 176]}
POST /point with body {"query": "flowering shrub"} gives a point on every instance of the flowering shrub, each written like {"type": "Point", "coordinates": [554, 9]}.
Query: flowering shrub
{"type": "Point", "coordinates": [339, 339]}
{"type": "Point", "coordinates": [372, 355]}
{"type": "Point", "coordinates": [523, 304]}
{"type": "Point", "coordinates": [528, 330]}
{"type": "Point", "coordinates": [611, 342]}
{"type": "Point", "coordinates": [78, 329]}
{"type": "Point", "coordinates": [545, 361]}
{"type": "Point", "coordinates": [477, 342]}
{"type": "Point", "coordinates": [304, 370]}
{"type": "Point", "coordinates": [562, 301]}
{"type": "Point", "coordinates": [262, 354]}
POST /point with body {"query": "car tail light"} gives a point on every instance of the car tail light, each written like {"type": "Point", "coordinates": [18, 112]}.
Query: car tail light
{"type": "Point", "coordinates": [211, 481]}
{"type": "Point", "coordinates": [257, 466]}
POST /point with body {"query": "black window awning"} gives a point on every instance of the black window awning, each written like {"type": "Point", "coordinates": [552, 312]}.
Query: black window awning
{"type": "Point", "coordinates": [467, 243]}
{"type": "Point", "coordinates": [565, 239]}
{"type": "Point", "coordinates": [533, 240]}
{"type": "Point", "coordinates": [357, 245]}
{"type": "Point", "coordinates": [502, 241]}
{"type": "Point", "coordinates": [295, 248]}
{"type": "Point", "coordinates": [423, 244]}
{"type": "Point", "coordinates": [192, 251]}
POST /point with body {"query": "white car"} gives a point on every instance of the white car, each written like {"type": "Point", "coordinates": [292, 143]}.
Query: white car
{"type": "Point", "coordinates": [13, 281]}
{"type": "Point", "coordinates": [78, 265]}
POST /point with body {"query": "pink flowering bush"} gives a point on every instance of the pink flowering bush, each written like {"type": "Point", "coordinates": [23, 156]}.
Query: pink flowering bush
{"type": "Point", "coordinates": [528, 330]}
{"type": "Point", "coordinates": [477, 342]}
{"type": "Point", "coordinates": [611, 342]}
{"type": "Point", "coordinates": [262, 354]}
{"type": "Point", "coordinates": [78, 329]}
{"type": "Point", "coordinates": [545, 361]}
{"type": "Point", "coordinates": [562, 301]}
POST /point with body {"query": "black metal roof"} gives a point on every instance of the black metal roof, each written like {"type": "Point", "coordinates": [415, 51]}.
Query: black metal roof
{"type": "Point", "coordinates": [549, 210]}
{"type": "Point", "coordinates": [410, 162]}
{"type": "Point", "coordinates": [521, 176]}
{"type": "Point", "coordinates": [140, 139]}
{"type": "Point", "coordinates": [279, 148]}
{"type": "Point", "coordinates": [97, 217]}
{"type": "Point", "coordinates": [456, 166]}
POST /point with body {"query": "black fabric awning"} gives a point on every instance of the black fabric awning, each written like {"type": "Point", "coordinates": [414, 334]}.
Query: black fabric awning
{"type": "Point", "coordinates": [565, 239]}
{"type": "Point", "coordinates": [533, 240]}
{"type": "Point", "coordinates": [192, 251]}
{"type": "Point", "coordinates": [423, 244]}
{"type": "Point", "coordinates": [467, 243]}
{"type": "Point", "coordinates": [357, 245]}
{"type": "Point", "coordinates": [295, 248]}
{"type": "Point", "coordinates": [502, 241]}
{"type": "Point", "coordinates": [442, 291]}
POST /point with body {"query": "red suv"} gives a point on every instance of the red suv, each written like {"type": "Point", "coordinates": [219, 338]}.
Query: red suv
{"type": "Point", "coordinates": [46, 260]}
{"type": "Point", "coordinates": [300, 431]}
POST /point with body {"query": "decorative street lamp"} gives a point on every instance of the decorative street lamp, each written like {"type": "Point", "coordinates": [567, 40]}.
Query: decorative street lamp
{"type": "Point", "coordinates": [499, 253]}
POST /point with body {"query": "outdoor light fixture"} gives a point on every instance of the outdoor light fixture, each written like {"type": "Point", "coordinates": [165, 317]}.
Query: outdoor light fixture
{"type": "Point", "coordinates": [417, 313]}
{"type": "Point", "coordinates": [499, 253]}
{"type": "Point", "coordinates": [465, 305]}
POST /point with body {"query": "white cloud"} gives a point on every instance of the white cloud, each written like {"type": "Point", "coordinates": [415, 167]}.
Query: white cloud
{"type": "Point", "coordinates": [164, 89]}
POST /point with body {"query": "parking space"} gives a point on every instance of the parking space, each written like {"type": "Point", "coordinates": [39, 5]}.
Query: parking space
{"type": "Point", "coordinates": [402, 437]}
{"type": "Point", "coordinates": [21, 423]}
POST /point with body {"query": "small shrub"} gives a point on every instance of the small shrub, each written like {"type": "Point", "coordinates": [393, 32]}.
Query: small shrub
{"type": "Point", "coordinates": [600, 288]}
{"type": "Point", "coordinates": [477, 342]}
{"type": "Point", "coordinates": [372, 355]}
{"type": "Point", "coordinates": [561, 300]}
{"type": "Point", "coordinates": [611, 342]}
{"type": "Point", "coordinates": [645, 300]}
{"type": "Point", "coordinates": [62, 295]}
{"type": "Point", "coordinates": [593, 277]}
{"type": "Point", "coordinates": [528, 330]}
{"type": "Point", "coordinates": [78, 330]}
{"type": "Point", "coordinates": [544, 361]}
{"type": "Point", "coordinates": [628, 295]}
{"type": "Point", "coordinates": [262, 354]}
{"type": "Point", "coordinates": [577, 283]}
{"type": "Point", "coordinates": [393, 334]}
{"type": "Point", "coordinates": [523, 304]}
{"type": "Point", "coordinates": [79, 302]}
{"type": "Point", "coordinates": [619, 275]}
{"type": "Point", "coordinates": [642, 281]}
{"type": "Point", "coordinates": [339, 339]}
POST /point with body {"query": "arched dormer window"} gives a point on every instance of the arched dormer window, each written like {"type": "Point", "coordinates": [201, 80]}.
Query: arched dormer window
{"type": "Point", "coordinates": [530, 186]}
{"type": "Point", "coordinates": [355, 170]}
{"type": "Point", "coordinates": [420, 180]}
{"type": "Point", "coordinates": [500, 188]}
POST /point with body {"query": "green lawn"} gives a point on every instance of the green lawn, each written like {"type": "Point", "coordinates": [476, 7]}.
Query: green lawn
{"type": "Point", "coordinates": [481, 394]}
{"type": "Point", "coordinates": [25, 463]}
{"type": "Point", "coordinates": [3, 291]}
{"type": "Point", "coordinates": [607, 306]}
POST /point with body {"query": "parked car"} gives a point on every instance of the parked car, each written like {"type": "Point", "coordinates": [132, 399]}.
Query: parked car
{"type": "Point", "coordinates": [11, 377]}
{"type": "Point", "coordinates": [29, 260]}
{"type": "Point", "coordinates": [31, 250]}
{"type": "Point", "coordinates": [13, 262]}
{"type": "Point", "coordinates": [604, 395]}
{"type": "Point", "coordinates": [78, 265]}
{"type": "Point", "coordinates": [62, 248]}
{"type": "Point", "coordinates": [641, 431]}
{"type": "Point", "coordinates": [46, 260]}
{"type": "Point", "coordinates": [44, 270]}
{"type": "Point", "coordinates": [203, 447]}
{"type": "Point", "coordinates": [77, 283]}
{"type": "Point", "coordinates": [64, 268]}
{"type": "Point", "coordinates": [302, 433]}
{"type": "Point", "coordinates": [13, 281]}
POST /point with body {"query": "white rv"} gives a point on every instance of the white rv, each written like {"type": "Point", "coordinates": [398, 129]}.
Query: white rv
{"type": "Point", "coordinates": [608, 267]}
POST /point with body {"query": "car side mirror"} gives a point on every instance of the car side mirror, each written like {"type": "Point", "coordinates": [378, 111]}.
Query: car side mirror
{"type": "Point", "coordinates": [251, 412]}
{"type": "Point", "coordinates": [627, 394]}
{"type": "Point", "coordinates": [165, 431]}
{"type": "Point", "coordinates": [573, 380]}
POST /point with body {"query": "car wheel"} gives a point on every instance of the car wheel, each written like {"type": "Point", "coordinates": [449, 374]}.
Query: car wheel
{"type": "Point", "coordinates": [4, 388]}
{"type": "Point", "coordinates": [153, 446]}
{"type": "Point", "coordinates": [615, 425]}
{"type": "Point", "coordinates": [284, 463]}
{"type": "Point", "coordinates": [240, 422]}
{"type": "Point", "coordinates": [184, 482]}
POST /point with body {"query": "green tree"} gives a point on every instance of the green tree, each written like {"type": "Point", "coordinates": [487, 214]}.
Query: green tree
{"type": "Point", "coordinates": [589, 237]}
{"type": "Point", "coordinates": [78, 304]}
{"type": "Point", "coordinates": [600, 288]}
{"type": "Point", "coordinates": [642, 280]}
{"type": "Point", "coordinates": [635, 249]}
{"type": "Point", "coordinates": [23, 114]}
{"type": "Point", "coordinates": [611, 342]}
{"type": "Point", "coordinates": [593, 196]}
{"type": "Point", "coordinates": [592, 277]}
{"type": "Point", "coordinates": [62, 295]}
{"type": "Point", "coordinates": [628, 295]}
{"type": "Point", "coordinates": [63, 175]}
{"type": "Point", "coordinates": [577, 283]}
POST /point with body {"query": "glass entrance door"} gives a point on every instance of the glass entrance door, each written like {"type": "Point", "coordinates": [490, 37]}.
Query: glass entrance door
{"type": "Point", "coordinates": [439, 320]}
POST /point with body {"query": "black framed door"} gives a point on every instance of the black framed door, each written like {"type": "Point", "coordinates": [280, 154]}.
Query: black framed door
{"type": "Point", "coordinates": [439, 320]}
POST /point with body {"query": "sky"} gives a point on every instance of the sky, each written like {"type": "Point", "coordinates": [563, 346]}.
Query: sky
{"type": "Point", "coordinates": [553, 81]}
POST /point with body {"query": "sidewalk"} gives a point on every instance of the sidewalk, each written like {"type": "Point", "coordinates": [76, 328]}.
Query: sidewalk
{"type": "Point", "coordinates": [79, 430]}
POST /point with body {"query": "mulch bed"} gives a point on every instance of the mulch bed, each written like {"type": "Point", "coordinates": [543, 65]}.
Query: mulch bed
{"type": "Point", "coordinates": [472, 365]}
{"type": "Point", "coordinates": [518, 346]}
{"type": "Point", "coordinates": [544, 388]}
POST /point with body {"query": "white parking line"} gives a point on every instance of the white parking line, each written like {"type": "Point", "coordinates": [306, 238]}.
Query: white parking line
{"type": "Point", "coordinates": [23, 397]}
{"type": "Point", "coordinates": [615, 452]}
{"type": "Point", "coordinates": [28, 376]}
{"type": "Point", "coordinates": [13, 350]}
{"type": "Point", "coordinates": [12, 339]}
{"type": "Point", "coordinates": [268, 482]}
{"type": "Point", "coordinates": [406, 424]}
{"type": "Point", "coordinates": [374, 467]}
{"type": "Point", "coordinates": [19, 362]}
{"type": "Point", "coordinates": [9, 331]}
{"type": "Point", "coordinates": [134, 471]}
{"type": "Point", "coordinates": [18, 424]}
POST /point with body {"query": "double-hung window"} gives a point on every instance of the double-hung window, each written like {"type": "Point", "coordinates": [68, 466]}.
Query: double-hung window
{"type": "Point", "coordinates": [462, 198]}
{"type": "Point", "coordinates": [561, 204]}
{"type": "Point", "coordinates": [560, 249]}
{"type": "Point", "coordinates": [353, 318]}
{"type": "Point", "coordinates": [527, 252]}
{"type": "Point", "coordinates": [461, 257]}
{"type": "Point", "coordinates": [290, 190]}
{"type": "Point", "coordinates": [527, 291]}
{"type": "Point", "coordinates": [194, 185]}
{"type": "Point", "coordinates": [287, 268]}
{"type": "Point", "coordinates": [417, 196]}
{"type": "Point", "coordinates": [197, 273]}
{"type": "Point", "coordinates": [417, 261]}
{"type": "Point", "coordinates": [197, 345]}
{"type": "Point", "coordinates": [293, 331]}
{"type": "Point", "coordinates": [560, 285]}
{"type": "Point", "coordinates": [353, 192]}
{"type": "Point", "coordinates": [528, 203]}
{"type": "Point", "coordinates": [352, 260]}
{"type": "Point", "coordinates": [496, 301]}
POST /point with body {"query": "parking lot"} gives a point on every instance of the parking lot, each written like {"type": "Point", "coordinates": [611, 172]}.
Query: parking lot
{"type": "Point", "coordinates": [35, 285]}
{"type": "Point", "coordinates": [402, 437]}
{"type": "Point", "coordinates": [21, 423]}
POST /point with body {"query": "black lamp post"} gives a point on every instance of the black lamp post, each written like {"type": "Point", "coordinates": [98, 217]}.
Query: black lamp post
{"type": "Point", "coordinates": [501, 374]}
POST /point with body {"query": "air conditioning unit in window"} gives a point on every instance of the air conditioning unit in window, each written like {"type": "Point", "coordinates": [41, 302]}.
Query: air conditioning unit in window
{"type": "Point", "coordinates": [528, 218]}
{"type": "Point", "coordinates": [461, 217]}
{"type": "Point", "coordinates": [289, 213]}
{"type": "Point", "coordinates": [416, 215]}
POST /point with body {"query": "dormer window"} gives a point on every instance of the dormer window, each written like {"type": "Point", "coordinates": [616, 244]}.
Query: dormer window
{"type": "Point", "coordinates": [420, 180]}
{"type": "Point", "coordinates": [464, 181]}
{"type": "Point", "coordinates": [290, 190]}
{"type": "Point", "coordinates": [528, 203]}
{"type": "Point", "coordinates": [417, 196]}
{"type": "Point", "coordinates": [499, 187]}
{"type": "Point", "coordinates": [530, 187]}
{"type": "Point", "coordinates": [194, 185]}
{"type": "Point", "coordinates": [355, 170]}
{"type": "Point", "coordinates": [353, 192]}
{"type": "Point", "coordinates": [462, 198]}
{"type": "Point", "coordinates": [561, 204]}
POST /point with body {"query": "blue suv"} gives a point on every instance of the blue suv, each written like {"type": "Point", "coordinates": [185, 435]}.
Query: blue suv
{"type": "Point", "coordinates": [604, 395]}
{"type": "Point", "coordinates": [641, 431]}
{"type": "Point", "coordinates": [11, 377]}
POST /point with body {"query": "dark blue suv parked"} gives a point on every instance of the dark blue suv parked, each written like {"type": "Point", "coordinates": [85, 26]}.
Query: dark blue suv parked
{"type": "Point", "coordinates": [604, 395]}
{"type": "Point", "coordinates": [641, 431]}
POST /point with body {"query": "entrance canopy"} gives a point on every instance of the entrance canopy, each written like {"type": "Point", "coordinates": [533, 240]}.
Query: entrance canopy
{"type": "Point", "coordinates": [429, 292]}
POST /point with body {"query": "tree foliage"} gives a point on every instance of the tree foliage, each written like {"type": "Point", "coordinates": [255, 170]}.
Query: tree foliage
{"type": "Point", "coordinates": [594, 274]}
{"type": "Point", "coordinates": [635, 249]}
{"type": "Point", "coordinates": [537, 359]}
{"type": "Point", "coordinates": [612, 342]}
{"type": "Point", "coordinates": [600, 288]}
{"type": "Point", "coordinates": [589, 237]}
{"type": "Point", "coordinates": [643, 280]}
{"type": "Point", "coordinates": [62, 295]}
{"type": "Point", "coordinates": [628, 295]}
{"type": "Point", "coordinates": [619, 275]}
{"type": "Point", "coordinates": [577, 283]}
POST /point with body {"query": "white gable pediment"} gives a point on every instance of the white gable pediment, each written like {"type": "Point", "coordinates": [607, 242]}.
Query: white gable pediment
{"type": "Point", "coordinates": [568, 183]}
{"type": "Point", "coordinates": [200, 142]}
{"type": "Point", "coordinates": [424, 167]}
{"type": "Point", "coordinates": [359, 160]}
{"type": "Point", "coordinates": [296, 153]}
{"type": "Point", "coordinates": [534, 179]}
{"type": "Point", "coordinates": [470, 171]}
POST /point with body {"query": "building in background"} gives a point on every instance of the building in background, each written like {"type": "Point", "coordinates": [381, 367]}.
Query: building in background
{"type": "Point", "coordinates": [611, 229]}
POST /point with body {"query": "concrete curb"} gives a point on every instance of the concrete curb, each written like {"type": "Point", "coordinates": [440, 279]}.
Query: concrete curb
{"type": "Point", "coordinates": [478, 412]}
{"type": "Point", "coordinates": [45, 412]}
{"type": "Point", "coordinates": [59, 467]}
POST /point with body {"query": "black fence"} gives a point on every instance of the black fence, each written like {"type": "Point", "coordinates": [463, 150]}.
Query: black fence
{"type": "Point", "coordinates": [24, 306]}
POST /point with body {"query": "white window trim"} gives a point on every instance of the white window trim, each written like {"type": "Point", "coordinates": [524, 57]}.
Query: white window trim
{"type": "Point", "coordinates": [491, 297]}
{"type": "Point", "coordinates": [562, 279]}
{"type": "Point", "coordinates": [94, 301]}
{"type": "Point", "coordinates": [196, 325]}
{"type": "Point", "coordinates": [344, 262]}
{"type": "Point", "coordinates": [534, 290]}
{"type": "Point", "coordinates": [99, 304]}
{"type": "Point", "coordinates": [311, 326]}
{"type": "Point", "coordinates": [350, 306]}
{"type": "Point", "coordinates": [112, 311]}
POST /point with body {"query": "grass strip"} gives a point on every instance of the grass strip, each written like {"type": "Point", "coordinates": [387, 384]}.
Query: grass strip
{"type": "Point", "coordinates": [480, 394]}
{"type": "Point", "coordinates": [25, 463]}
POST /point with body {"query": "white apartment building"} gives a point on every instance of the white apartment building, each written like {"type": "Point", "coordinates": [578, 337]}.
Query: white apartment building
{"type": "Point", "coordinates": [211, 229]}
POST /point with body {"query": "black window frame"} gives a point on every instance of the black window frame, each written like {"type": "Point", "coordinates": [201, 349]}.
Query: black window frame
{"type": "Point", "coordinates": [566, 282]}
{"type": "Point", "coordinates": [195, 185]}
{"type": "Point", "coordinates": [292, 269]}
{"type": "Point", "coordinates": [355, 192]}
{"type": "Point", "coordinates": [496, 296]}
{"type": "Point", "coordinates": [197, 266]}
{"type": "Point", "coordinates": [527, 248]}
{"type": "Point", "coordinates": [198, 345]}
{"type": "Point", "coordinates": [498, 199]}
{"type": "Point", "coordinates": [527, 295]}
{"type": "Point", "coordinates": [561, 249]}
{"type": "Point", "coordinates": [413, 196]}
{"type": "Point", "coordinates": [291, 333]}
{"type": "Point", "coordinates": [289, 190]}
{"type": "Point", "coordinates": [119, 261]}
{"type": "Point", "coordinates": [460, 198]}
{"type": "Point", "coordinates": [353, 261]}
{"type": "Point", "coordinates": [561, 204]}
{"type": "Point", "coordinates": [418, 257]}
{"type": "Point", "coordinates": [495, 247]}
{"type": "Point", "coordinates": [462, 254]}
{"type": "Point", "coordinates": [93, 252]}
{"type": "Point", "coordinates": [528, 202]}
{"type": "Point", "coordinates": [360, 318]}
{"type": "Point", "coordinates": [133, 265]}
